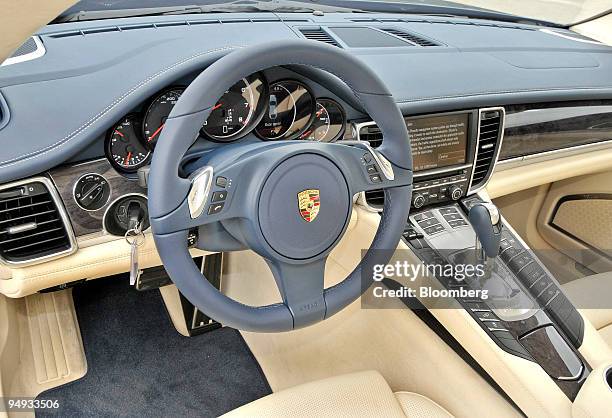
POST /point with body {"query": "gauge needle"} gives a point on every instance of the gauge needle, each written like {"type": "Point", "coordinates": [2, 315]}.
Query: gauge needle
{"type": "Point", "coordinates": [217, 106]}
{"type": "Point", "coordinates": [156, 132]}
{"type": "Point", "coordinates": [127, 158]}
{"type": "Point", "coordinates": [119, 133]}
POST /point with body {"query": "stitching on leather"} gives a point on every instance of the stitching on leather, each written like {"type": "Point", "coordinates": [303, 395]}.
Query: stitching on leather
{"type": "Point", "coordinates": [484, 93]}
{"type": "Point", "coordinates": [117, 101]}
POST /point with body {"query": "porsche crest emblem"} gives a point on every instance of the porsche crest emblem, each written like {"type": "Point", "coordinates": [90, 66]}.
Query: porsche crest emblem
{"type": "Point", "coordinates": [309, 204]}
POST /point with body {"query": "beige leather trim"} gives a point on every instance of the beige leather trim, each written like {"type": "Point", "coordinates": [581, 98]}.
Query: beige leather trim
{"type": "Point", "coordinates": [40, 344]}
{"type": "Point", "coordinates": [595, 396]}
{"type": "Point", "coordinates": [106, 259]}
{"type": "Point", "coordinates": [363, 394]}
{"type": "Point", "coordinates": [20, 19]}
{"type": "Point", "coordinates": [530, 174]}
{"type": "Point", "coordinates": [416, 405]}
{"type": "Point", "coordinates": [172, 300]}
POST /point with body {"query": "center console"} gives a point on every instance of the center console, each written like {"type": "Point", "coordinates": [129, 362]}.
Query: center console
{"type": "Point", "coordinates": [526, 313]}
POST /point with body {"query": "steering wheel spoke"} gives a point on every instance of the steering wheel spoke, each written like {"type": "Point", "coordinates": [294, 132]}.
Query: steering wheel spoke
{"type": "Point", "coordinates": [368, 168]}
{"type": "Point", "coordinates": [302, 289]}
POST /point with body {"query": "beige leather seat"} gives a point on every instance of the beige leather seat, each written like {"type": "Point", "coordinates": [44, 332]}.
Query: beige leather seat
{"type": "Point", "coordinates": [363, 394]}
{"type": "Point", "coordinates": [592, 295]}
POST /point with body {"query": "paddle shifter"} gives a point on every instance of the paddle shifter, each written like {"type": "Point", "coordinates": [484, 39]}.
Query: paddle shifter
{"type": "Point", "coordinates": [487, 225]}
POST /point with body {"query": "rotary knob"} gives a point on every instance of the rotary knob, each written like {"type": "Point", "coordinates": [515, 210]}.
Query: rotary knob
{"type": "Point", "coordinates": [91, 191]}
{"type": "Point", "coordinates": [419, 200]}
{"type": "Point", "coordinates": [456, 192]}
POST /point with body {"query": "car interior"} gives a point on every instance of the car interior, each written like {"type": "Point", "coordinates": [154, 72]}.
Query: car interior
{"type": "Point", "coordinates": [233, 208]}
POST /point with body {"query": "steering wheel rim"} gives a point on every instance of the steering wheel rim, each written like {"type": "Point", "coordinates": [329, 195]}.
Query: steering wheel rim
{"type": "Point", "coordinates": [168, 192]}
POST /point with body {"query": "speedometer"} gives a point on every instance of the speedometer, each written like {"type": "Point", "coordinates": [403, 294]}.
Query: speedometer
{"type": "Point", "coordinates": [157, 113]}
{"type": "Point", "coordinates": [124, 147]}
{"type": "Point", "coordinates": [236, 109]}
{"type": "Point", "coordinates": [329, 123]}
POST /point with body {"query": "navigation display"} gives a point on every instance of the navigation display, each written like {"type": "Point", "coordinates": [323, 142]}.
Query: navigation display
{"type": "Point", "coordinates": [438, 141]}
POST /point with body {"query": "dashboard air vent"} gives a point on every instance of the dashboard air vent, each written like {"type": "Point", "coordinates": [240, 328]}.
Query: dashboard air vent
{"type": "Point", "coordinates": [32, 223]}
{"type": "Point", "coordinates": [490, 130]}
{"type": "Point", "coordinates": [318, 34]}
{"type": "Point", "coordinates": [375, 199]}
{"type": "Point", "coordinates": [411, 37]}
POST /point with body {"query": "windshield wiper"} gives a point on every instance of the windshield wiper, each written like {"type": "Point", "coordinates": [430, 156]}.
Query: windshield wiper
{"type": "Point", "coordinates": [238, 6]}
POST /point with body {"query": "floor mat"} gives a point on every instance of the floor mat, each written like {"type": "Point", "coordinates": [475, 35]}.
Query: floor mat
{"type": "Point", "coordinates": [138, 365]}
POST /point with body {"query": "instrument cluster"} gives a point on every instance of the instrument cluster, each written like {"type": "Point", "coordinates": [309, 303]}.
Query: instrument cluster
{"type": "Point", "coordinates": [283, 110]}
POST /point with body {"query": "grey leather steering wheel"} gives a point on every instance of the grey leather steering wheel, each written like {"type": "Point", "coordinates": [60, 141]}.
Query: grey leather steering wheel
{"type": "Point", "coordinates": [273, 191]}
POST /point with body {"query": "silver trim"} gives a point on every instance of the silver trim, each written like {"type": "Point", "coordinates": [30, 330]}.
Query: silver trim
{"type": "Point", "coordinates": [63, 216]}
{"type": "Point", "coordinates": [21, 228]}
{"type": "Point", "coordinates": [498, 144]}
{"type": "Point", "coordinates": [197, 205]}
{"type": "Point", "coordinates": [562, 35]}
{"type": "Point", "coordinates": [110, 205]}
{"type": "Point", "coordinates": [605, 373]}
{"type": "Point", "coordinates": [77, 182]}
{"type": "Point", "coordinates": [39, 52]}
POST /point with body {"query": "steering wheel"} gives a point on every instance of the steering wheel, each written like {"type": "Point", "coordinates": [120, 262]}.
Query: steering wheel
{"type": "Point", "coordinates": [289, 201]}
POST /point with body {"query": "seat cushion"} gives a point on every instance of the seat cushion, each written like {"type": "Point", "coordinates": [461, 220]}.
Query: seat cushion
{"type": "Point", "coordinates": [592, 296]}
{"type": "Point", "coordinates": [363, 394]}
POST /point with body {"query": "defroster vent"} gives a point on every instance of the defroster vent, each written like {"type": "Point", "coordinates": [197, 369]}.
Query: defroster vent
{"type": "Point", "coordinates": [318, 34]}
{"type": "Point", "coordinates": [489, 141]}
{"type": "Point", "coordinates": [33, 223]}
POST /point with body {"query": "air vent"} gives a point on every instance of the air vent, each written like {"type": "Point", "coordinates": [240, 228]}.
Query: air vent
{"type": "Point", "coordinates": [374, 199]}
{"type": "Point", "coordinates": [489, 138]}
{"type": "Point", "coordinates": [33, 224]}
{"type": "Point", "coordinates": [318, 34]}
{"type": "Point", "coordinates": [411, 37]}
{"type": "Point", "coordinates": [31, 49]}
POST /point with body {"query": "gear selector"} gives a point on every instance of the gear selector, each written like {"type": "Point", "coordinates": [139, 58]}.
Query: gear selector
{"type": "Point", "coordinates": [484, 218]}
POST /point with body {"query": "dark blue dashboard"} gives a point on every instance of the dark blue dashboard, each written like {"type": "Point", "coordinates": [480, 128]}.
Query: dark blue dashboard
{"type": "Point", "coordinates": [56, 108]}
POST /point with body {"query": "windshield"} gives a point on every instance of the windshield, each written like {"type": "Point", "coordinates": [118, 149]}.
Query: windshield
{"type": "Point", "coordinates": [561, 12]}
{"type": "Point", "coordinates": [564, 12]}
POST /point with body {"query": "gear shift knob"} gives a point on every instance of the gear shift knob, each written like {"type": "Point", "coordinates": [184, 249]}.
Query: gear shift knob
{"type": "Point", "coordinates": [485, 220]}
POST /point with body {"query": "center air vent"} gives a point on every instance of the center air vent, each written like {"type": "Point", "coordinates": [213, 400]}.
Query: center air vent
{"type": "Point", "coordinates": [411, 37]}
{"type": "Point", "coordinates": [33, 224]}
{"type": "Point", "coordinates": [489, 141]}
{"type": "Point", "coordinates": [375, 199]}
{"type": "Point", "coordinates": [318, 34]}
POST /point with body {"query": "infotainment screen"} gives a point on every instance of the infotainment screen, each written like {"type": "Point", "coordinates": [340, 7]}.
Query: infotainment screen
{"type": "Point", "coordinates": [438, 141]}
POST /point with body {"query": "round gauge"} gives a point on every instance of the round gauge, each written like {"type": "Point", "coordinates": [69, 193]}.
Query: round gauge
{"type": "Point", "coordinates": [157, 113]}
{"type": "Point", "coordinates": [124, 147]}
{"type": "Point", "coordinates": [291, 107]}
{"type": "Point", "coordinates": [235, 110]}
{"type": "Point", "coordinates": [91, 191]}
{"type": "Point", "coordinates": [328, 124]}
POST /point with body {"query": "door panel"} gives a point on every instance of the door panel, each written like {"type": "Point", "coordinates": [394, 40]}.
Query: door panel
{"type": "Point", "coordinates": [576, 219]}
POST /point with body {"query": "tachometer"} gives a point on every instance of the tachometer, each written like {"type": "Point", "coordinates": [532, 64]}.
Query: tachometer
{"type": "Point", "coordinates": [124, 148]}
{"type": "Point", "coordinates": [291, 107]}
{"type": "Point", "coordinates": [157, 113]}
{"type": "Point", "coordinates": [236, 109]}
{"type": "Point", "coordinates": [329, 122]}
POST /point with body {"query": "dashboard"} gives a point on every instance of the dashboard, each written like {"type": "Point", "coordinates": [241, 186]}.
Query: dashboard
{"type": "Point", "coordinates": [472, 91]}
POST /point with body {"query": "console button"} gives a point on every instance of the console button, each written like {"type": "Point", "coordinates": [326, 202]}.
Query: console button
{"type": "Point", "coordinates": [375, 178]}
{"type": "Point", "coordinates": [218, 196]}
{"type": "Point", "coordinates": [446, 211]}
{"type": "Point", "coordinates": [503, 245]}
{"type": "Point", "coordinates": [221, 181]}
{"type": "Point", "coordinates": [423, 215]}
{"type": "Point", "coordinates": [434, 229]}
{"type": "Point", "coordinates": [541, 285]}
{"type": "Point", "coordinates": [452, 217]}
{"type": "Point", "coordinates": [495, 326]}
{"type": "Point", "coordinates": [215, 208]}
{"type": "Point", "coordinates": [530, 274]}
{"type": "Point", "coordinates": [520, 261]}
{"type": "Point", "coordinates": [477, 306]}
{"type": "Point", "coordinates": [548, 295]}
{"type": "Point", "coordinates": [486, 316]}
{"type": "Point", "coordinates": [457, 224]}
{"type": "Point", "coordinates": [510, 253]}
{"type": "Point", "coordinates": [371, 169]}
{"type": "Point", "coordinates": [428, 222]}
{"type": "Point", "coordinates": [367, 157]}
